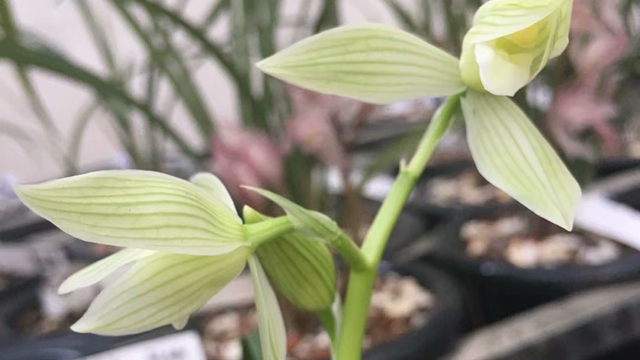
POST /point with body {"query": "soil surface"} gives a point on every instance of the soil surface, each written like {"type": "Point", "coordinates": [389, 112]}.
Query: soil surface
{"type": "Point", "coordinates": [521, 242]}
{"type": "Point", "coordinates": [399, 305]}
{"type": "Point", "coordinates": [467, 188]}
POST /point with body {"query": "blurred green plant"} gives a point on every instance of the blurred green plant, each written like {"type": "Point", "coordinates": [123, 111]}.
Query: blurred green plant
{"type": "Point", "coordinates": [253, 28]}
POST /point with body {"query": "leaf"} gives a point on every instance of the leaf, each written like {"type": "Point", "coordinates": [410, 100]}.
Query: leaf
{"type": "Point", "coordinates": [240, 79]}
{"type": "Point", "coordinates": [139, 209]}
{"type": "Point", "coordinates": [273, 338]}
{"type": "Point", "coordinates": [159, 290]}
{"type": "Point", "coordinates": [512, 155]}
{"type": "Point", "coordinates": [372, 63]}
{"type": "Point", "coordinates": [44, 60]}
{"type": "Point", "coordinates": [78, 130]}
{"type": "Point", "coordinates": [214, 13]}
{"type": "Point", "coordinates": [172, 65]}
{"type": "Point", "coordinates": [99, 270]}
{"type": "Point", "coordinates": [301, 269]}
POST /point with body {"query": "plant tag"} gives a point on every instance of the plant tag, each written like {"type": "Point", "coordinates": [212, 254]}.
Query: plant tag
{"type": "Point", "coordinates": [603, 216]}
{"type": "Point", "coordinates": [182, 346]}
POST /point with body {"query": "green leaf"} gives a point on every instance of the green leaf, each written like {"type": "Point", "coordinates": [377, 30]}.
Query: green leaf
{"type": "Point", "coordinates": [273, 337]}
{"type": "Point", "coordinates": [301, 269]}
{"type": "Point", "coordinates": [240, 79]}
{"type": "Point", "coordinates": [42, 59]}
{"type": "Point", "coordinates": [372, 63]}
{"type": "Point", "coordinates": [512, 155]}
{"type": "Point", "coordinates": [172, 65]}
{"type": "Point", "coordinates": [99, 270]}
{"type": "Point", "coordinates": [139, 209]}
{"type": "Point", "coordinates": [159, 290]}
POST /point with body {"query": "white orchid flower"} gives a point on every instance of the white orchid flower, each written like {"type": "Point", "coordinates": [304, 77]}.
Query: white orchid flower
{"type": "Point", "coordinates": [184, 242]}
{"type": "Point", "coordinates": [510, 42]}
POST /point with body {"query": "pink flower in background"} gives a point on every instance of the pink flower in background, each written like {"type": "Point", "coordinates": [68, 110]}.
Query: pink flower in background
{"type": "Point", "coordinates": [311, 125]}
{"type": "Point", "coordinates": [599, 42]}
{"type": "Point", "coordinates": [244, 157]}
{"type": "Point", "coordinates": [577, 108]}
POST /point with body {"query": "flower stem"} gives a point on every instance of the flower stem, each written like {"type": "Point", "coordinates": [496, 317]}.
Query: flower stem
{"type": "Point", "coordinates": [361, 282]}
{"type": "Point", "coordinates": [267, 229]}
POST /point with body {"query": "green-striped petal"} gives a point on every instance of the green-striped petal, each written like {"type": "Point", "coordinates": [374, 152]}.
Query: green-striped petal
{"type": "Point", "coordinates": [180, 324]}
{"type": "Point", "coordinates": [216, 189]}
{"type": "Point", "coordinates": [159, 290]}
{"type": "Point", "coordinates": [372, 63]}
{"type": "Point", "coordinates": [273, 339]}
{"type": "Point", "coordinates": [499, 18]}
{"type": "Point", "coordinates": [312, 223]}
{"type": "Point", "coordinates": [562, 38]}
{"type": "Point", "coordinates": [511, 41]}
{"type": "Point", "coordinates": [101, 269]}
{"type": "Point", "coordinates": [512, 154]}
{"type": "Point", "coordinates": [138, 209]}
{"type": "Point", "coordinates": [302, 270]}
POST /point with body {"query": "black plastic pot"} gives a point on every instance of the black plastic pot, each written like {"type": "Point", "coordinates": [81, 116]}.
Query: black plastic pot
{"type": "Point", "coordinates": [629, 197]}
{"type": "Point", "coordinates": [409, 227]}
{"type": "Point", "coordinates": [503, 289]}
{"type": "Point", "coordinates": [612, 166]}
{"type": "Point", "coordinates": [15, 287]}
{"type": "Point", "coordinates": [17, 222]}
{"type": "Point", "coordinates": [419, 199]}
{"type": "Point", "coordinates": [446, 322]}
{"type": "Point", "coordinates": [64, 345]}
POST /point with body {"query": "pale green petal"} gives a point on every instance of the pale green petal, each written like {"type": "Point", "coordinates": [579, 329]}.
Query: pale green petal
{"type": "Point", "coordinates": [180, 324]}
{"type": "Point", "coordinates": [511, 41]}
{"type": "Point", "coordinates": [101, 269]}
{"type": "Point", "coordinates": [372, 63]}
{"type": "Point", "coordinates": [317, 226]}
{"type": "Point", "coordinates": [159, 290]}
{"type": "Point", "coordinates": [302, 270]}
{"type": "Point", "coordinates": [501, 73]}
{"type": "Point", "coordinates": [498, 18]}
{"type": "Point", "coordinates": [562, 39]}
{"type": "Point", "coordinates": [273, 338]}
{"type": "Point", "coordinates": [215, 188]}
{"type": "Point", "coordinates": [512, 154]}
{"type": "Point", "coordinates": [138, 209]}
{"type": "Point", "coordinates": [312, 223]}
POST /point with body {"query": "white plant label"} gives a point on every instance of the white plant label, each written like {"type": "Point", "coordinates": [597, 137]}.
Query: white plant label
{"type": "Point", "coordinates": [603, 216]}
{"type": "Point", "coordinates": [182, 346]}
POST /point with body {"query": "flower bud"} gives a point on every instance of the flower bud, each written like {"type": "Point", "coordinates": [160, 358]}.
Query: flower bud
{"type": "Point", "coordinates": [301, 269]}
{"type": "Point", "coordinates": [511, 41]}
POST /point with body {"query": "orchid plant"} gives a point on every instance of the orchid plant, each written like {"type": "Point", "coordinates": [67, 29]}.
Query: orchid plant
{"type": "Point", "coordinates": [186, 241]}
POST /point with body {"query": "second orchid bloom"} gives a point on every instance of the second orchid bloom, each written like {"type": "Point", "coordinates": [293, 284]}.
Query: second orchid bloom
{"type": "Point", "coordinates": [508, 45]}
{"type": "Point", "coordinates": [184, 242]}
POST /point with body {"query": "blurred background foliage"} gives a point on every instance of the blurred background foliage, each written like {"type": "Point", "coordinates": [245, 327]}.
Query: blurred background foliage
{"type": "Point", "coordinates": [286, 138]}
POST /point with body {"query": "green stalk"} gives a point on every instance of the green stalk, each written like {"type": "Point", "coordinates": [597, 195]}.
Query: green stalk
{"type": "Point", "coordinates": [361, 282]}
{"type": "Point", "coordinates": [267, 230]}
